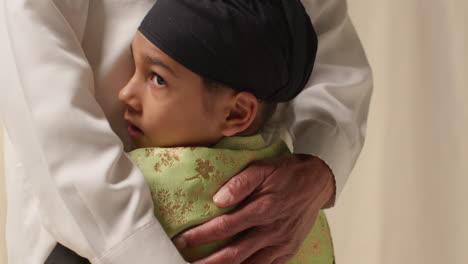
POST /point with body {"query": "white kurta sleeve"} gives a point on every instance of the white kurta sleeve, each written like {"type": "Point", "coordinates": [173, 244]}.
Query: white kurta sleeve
{"type": "Point", "coordinates": [328, 119]}
{"type": "Point", "coordinates": [91, 197]}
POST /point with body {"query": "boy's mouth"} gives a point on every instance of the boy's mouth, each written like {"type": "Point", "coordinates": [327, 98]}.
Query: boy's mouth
{"type": "Point", "coordinates": [134, 131]}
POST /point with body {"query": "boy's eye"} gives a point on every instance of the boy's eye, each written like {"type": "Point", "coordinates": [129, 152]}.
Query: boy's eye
{"type": "Point", "coordinates": [158, 79]}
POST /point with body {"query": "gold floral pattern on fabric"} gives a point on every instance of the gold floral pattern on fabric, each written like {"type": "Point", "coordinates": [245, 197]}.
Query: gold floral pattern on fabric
{"type": "Point", "coordinates": [169, 156]}
{"type": "Point", "coordinates": [204, 168]}
{"type": "Point", "coordinates": [196, 192]}
{"type": "Point", "coordinates": [172, 206]}
{"type": "Point", "coordinates": [218, 178]}
{"type": "Point", "coordinates": [207, 210]}
{"type": "Point", "coordinates": [222, 157]}
{"type": "Point", "coordinates": [158, 167]}
{"type": "Point", "coordinates": [207, 172]}
{"type": "Point", "coordinates": [183, 181]}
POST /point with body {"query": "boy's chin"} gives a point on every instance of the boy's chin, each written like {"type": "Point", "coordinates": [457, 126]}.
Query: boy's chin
{"type": "Point", "coordinates": [136, 144]}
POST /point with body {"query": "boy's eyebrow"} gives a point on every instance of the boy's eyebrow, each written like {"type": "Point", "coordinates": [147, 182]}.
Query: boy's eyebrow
{"type": "Point", "coordinates": [154, 61]}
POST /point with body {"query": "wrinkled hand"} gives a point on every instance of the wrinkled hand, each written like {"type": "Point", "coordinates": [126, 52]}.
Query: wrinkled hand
{"type": "Point", "coordinates": [284, 195]}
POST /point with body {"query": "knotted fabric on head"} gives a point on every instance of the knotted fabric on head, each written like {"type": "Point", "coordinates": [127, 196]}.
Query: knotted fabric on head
{"type": "Point", "coordinates": [266, 47]}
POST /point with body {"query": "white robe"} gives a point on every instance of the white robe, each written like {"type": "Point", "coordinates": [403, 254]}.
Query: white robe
{"type": "Point", "coordinates": [68, 177]}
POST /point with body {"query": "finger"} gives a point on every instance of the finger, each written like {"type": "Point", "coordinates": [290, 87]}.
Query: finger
{"type": "Point", "coordinates": [242, 185]}
{"type": "Point", "coordinates": [239, 250]}
{"type": "Point", "coordinates": [256, 212]}
{"type": "Point", "coordinates": [266, 256]}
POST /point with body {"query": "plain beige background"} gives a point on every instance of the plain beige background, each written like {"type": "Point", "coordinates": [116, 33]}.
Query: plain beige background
{"type": "Point", "coordinates": [2, 201]}
{"type": "Point", "coordinates": [406, 199]}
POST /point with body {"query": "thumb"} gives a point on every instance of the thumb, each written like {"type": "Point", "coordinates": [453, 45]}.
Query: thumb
{"type": "Point", "coordinates": [242, 185]}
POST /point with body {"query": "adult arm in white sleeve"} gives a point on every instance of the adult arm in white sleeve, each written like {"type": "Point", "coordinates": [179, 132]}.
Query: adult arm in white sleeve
{"type": "Point", "coordinates": [328, 119]}
{"type": "Point", "coordinates": [90, 195]}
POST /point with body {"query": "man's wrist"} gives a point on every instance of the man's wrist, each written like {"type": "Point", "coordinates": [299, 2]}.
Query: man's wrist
{"type": "Point", "coordinates": [331, 201]}
{"type": "Point", "coordinates": [332, 193]}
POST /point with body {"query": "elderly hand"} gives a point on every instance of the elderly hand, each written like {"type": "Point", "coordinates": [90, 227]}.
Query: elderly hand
{"type": "Point", "coordinates": [284, 195]}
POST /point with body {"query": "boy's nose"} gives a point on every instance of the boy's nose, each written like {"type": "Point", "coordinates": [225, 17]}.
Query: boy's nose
{"type": "Point", "coordinates": [129, 97]}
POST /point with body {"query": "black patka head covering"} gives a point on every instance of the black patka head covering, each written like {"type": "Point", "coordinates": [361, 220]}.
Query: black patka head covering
{"type": "Point", "coordinates": [266, 47]}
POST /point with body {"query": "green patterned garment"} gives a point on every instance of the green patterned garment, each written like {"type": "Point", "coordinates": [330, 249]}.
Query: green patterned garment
{"type": "Point", "coordinates": [183, 181]}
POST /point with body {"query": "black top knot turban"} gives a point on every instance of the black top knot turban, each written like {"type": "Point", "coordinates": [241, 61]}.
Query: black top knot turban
{"type": "Point", "coordinates": [266, 47]}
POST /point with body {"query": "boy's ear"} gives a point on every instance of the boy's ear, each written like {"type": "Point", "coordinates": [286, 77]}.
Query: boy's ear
{"type": "Point", "coordinates": [241, 113]}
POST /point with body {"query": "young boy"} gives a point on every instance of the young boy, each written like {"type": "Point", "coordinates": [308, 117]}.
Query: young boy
{"type": "Point", "coordinates": [208, 76]}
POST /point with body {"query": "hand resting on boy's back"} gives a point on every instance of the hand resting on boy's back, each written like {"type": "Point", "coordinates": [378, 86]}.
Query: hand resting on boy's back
{"type": "Point", "coordinates": [276, 211]}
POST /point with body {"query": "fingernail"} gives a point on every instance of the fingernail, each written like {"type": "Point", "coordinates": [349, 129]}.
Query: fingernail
{"type": "Point", "coordinates": [223, 197]}
{"type": "Point", "coordinates": [180, 243]}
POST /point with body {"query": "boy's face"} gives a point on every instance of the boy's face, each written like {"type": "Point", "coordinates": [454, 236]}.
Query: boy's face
{"type": "Point", "coordinates": [167, 104]}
